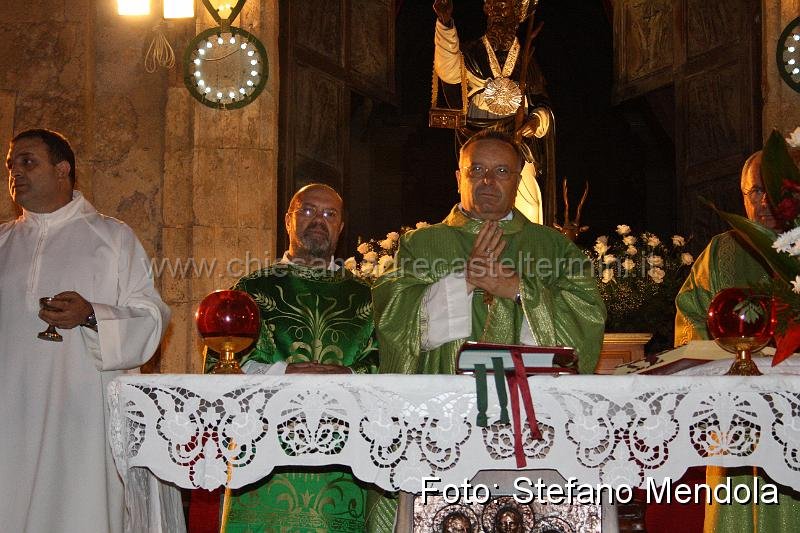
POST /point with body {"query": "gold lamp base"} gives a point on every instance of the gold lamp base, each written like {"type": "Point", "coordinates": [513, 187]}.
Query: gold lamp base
{"type": "Point", "coordinates": [229, 322]}
{"type": "Point", "coordinates": [743, 365]}
{"type": "Point", "coordinates": [227, 367]}
{"type": "Point", "coordinates": [227, 363]}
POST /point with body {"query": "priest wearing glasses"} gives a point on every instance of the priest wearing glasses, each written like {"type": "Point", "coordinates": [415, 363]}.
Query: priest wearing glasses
{"type": "Point", "coordinates": [316, 318]}
{"type": "Point", "coordinates": [487, 274]}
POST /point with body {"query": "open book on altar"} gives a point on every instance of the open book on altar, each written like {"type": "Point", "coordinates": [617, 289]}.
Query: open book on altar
{"type": "Point", "coordinates": [535, 359]}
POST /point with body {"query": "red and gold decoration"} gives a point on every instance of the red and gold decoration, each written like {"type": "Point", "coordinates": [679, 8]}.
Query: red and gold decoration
{"type": "Point", "coordinates": [229, 322]}
{"type": "Point", "coordinates": [780, 159]}
{"type": "Point", "coordinates": [742, 321]}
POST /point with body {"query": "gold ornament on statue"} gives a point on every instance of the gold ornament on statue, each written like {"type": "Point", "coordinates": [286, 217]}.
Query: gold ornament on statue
{"type": "Point", "coordinates": [502, 96]}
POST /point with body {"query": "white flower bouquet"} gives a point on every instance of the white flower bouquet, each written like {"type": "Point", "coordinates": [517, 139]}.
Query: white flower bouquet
{"type": "Point", "coordinates": [639, 277]}
{"type": "Point", "coordinates": [377, 255]}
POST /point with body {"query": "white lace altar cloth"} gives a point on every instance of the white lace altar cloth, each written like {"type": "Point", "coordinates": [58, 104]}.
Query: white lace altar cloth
{"type": "Point", "coordinates": [393, 430]}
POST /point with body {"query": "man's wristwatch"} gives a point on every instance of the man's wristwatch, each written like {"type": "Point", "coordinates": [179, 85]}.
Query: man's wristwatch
{"type": "Point", "coordinates": [90, 322]}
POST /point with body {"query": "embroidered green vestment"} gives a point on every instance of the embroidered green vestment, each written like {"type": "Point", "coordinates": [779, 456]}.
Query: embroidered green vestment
{"type": "Point", "coordinates": [724, 263]}
{"type": "Point", "coordinates": [307, 315]}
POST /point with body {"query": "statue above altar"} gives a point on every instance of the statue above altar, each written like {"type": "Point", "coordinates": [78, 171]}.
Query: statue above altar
{"type": "Point", "coordinates": [503, 89]}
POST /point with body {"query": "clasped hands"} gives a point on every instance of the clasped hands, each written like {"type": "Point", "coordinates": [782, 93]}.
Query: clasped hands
{"type": "Point", "coordinates": [66, 310]}
{"type": "Point", "coordinates": [485, 270]}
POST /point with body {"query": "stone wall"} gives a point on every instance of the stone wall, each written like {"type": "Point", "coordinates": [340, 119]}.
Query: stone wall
{"type": "Point", "coordinates": [221, 164]}
{"type": "Point", "coordinates": [196, 184]}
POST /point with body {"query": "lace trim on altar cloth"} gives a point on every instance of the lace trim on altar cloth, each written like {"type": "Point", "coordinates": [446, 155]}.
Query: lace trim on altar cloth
{"type": "Point", "coordinates": [199, 431]}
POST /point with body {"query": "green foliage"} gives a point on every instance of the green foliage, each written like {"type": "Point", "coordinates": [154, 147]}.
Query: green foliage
{"type": "Point", "coordinates": [751, 309]}
{"type": "Point", "coordinates": [760, 239]}
{"type": "Point", "coordinates": [777, 165]}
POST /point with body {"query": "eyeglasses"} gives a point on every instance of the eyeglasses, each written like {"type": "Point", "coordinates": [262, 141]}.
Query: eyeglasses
{"type": "Point", "coordinates": [755, 192]}
{"type": "Point", "coordinates": [310, 211]}
{"type": "Point", "coordinates": [502, 172]}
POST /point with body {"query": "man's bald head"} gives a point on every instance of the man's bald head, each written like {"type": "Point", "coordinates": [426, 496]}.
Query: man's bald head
{"type": "Point", "coordinates": [313, 187]}
{"type": "Point", "coordinates": [314, 222]}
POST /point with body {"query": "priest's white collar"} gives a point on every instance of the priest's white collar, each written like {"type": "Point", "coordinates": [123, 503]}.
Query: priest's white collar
{"type": "Point", "coordinates": [287, 260]}
{"type": "Point", "coordinates": [77, 205]}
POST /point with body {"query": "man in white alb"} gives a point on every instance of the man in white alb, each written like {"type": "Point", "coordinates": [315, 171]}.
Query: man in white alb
{"type": "Point", "coordinates": [56, 469]}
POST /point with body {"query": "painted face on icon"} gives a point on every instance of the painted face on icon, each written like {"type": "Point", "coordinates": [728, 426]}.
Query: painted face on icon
{"type": "Point", "coordinates": [508, 521]}
{"type": "Point", "coordinates": [456, 523]}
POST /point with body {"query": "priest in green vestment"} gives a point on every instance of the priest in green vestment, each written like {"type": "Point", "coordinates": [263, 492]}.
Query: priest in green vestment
{"type": "Point", "coordinates": [485, 274]}
{"type": "Point", "coordinates": [728, 262]}
{"type": "Point", "coordinates": [316, 318]}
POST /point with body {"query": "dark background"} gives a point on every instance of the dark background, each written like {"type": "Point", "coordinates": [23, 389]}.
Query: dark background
{"type": "Point", "coordinates": [624, 151]}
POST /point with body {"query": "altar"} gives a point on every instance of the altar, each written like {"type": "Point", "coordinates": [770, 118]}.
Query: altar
{"type": "Point", "coordinates": [404, 432]}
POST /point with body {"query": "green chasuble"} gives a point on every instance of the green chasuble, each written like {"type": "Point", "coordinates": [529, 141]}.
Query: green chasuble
{"type": "Point", "coordinates": [307, 315]}
{"type": "Point", "coordinates": [726, 262]}
{"type": "Point", "coordinates": [559, 295]}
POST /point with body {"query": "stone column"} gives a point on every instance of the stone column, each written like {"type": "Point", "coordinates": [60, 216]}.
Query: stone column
{"type": "Point", "coordinates": [219, 193]}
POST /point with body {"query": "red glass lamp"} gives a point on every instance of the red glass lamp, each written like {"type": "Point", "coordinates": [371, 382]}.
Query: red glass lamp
{"type": "Point", "coordinates": [229, 322]}
{"type": "Point", "coordinates": [742, 321]}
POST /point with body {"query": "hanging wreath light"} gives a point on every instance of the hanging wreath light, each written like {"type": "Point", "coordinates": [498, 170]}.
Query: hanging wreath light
{"type": "Point", "coordinates": [788, 54]}
{"type": "Point", "coordinates": [225, 69]}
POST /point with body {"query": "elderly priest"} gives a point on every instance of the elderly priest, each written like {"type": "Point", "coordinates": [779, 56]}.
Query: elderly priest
{"type": "Point", "coordinates": [486, 273]}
